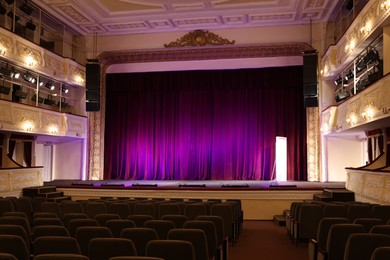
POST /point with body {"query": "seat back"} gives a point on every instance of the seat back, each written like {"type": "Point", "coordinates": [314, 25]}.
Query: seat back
{"type": "Point", "coordinates": [60, 257]}
{"type": "Point", "coordinates": [140, 237]}
{"type": "Point", "coordinates": [15, 220]}
{"type": "Point", "coordinates": [323, 229]}
{"type": "Point", "coordinates": [162, 227]}
{"type": "Point", "coordinates": [85, 234]}
{"type": "Point", "coordinates": [52, 207]}
{"type": "Point", "coordinates": [104, 248]}
{"type": "Point", "coordinates": [117, 225]}
{"type": "Point", "coordinates": [120, 208]}
{"type": "Point", "coordinates": [41, 231]}
{"type": "Point", "coordinates": [18, 231]}
{"type": "Point", "coordinates": [362, 245]}
{"type": "Point", "coordinates": [75, 223]}
{"type": "Point", "coordinates": [381, 211]}
{"type": "Point", "coordinates": [47, 222]}
{"type": "Point", "coordinates": [381, 253]}
{"type": "Point", "coordinates": [209, 229]}
{"type": "Point", "coordinates": [194, 210]}
{"type": "Point", "coordinates": [368, 223]}
{"type": "Point", "coordinates": [145, 208]}
{"type": "Point", "coordinates": [168, 209]}
{"type": "Point", "coordinates": [171, 249]}
{"type": "Point", "coordinates": [14, 245]}
{"type": "Point", "coordinates": [102, 218]}
{"type": "Point", "coordinates": [196, 236]}
{"type": "Point", "coordinates": [140, 220]}
{"type": "Point", "coordinates": [71, 207]}
{"type": "Point", "coordinates": [177, 219]}
{"type": "Point", "coordinates": [93, 208]}
{"type": "Point", "coordinates": [56, 245]}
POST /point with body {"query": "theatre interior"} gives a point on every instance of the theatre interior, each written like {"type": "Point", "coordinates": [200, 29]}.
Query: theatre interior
{"type": "Point", "coordinates": [235, 112]}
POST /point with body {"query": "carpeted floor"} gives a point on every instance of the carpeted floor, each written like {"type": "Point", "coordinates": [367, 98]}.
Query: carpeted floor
{"type": "Point", "coordinates": [263, 240]}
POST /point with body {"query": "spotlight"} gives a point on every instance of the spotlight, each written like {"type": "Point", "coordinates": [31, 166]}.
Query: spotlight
{"type": "Point", "coordinates": [341, 94]}
{"type": "Point", "coordinates": [338, 81]}
{"type": "Point", "coordinates": [50, 85]}
{"type": "Point", "coordinates": [5, 71]}
{"type": "Point", "coordinates": [40, 83]}
{"type": "Point", "coordinates": [65, 90]}
{"type": "Point", "coordinates": [26, 8]}
{"type": "Point", "coordinates": [29, 78]}
{"type": "Point", "coordinates": [30, 25]}
{"type": "Point", "coordinates": [371, 56]}
{"type": "Point", "coordinates": [349, 75]}
{"type": "Point", "coordinates": [14, 74]}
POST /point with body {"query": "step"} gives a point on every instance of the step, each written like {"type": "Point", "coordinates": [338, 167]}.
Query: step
{"type": "Point", "coordinates": [54, 194]}
{"type": "Point", "coordinates": [322, 197]}
{"type": "Point", "coordinates": [59, 199]}
{"type": "Point", "coordinates": [340, 194]}
{"type": "Point", "coordinates": [280, 220]}
{"type": "Point", "coordinates": [36, 190]}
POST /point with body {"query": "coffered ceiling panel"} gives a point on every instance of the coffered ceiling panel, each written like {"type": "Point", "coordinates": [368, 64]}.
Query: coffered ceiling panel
{"type": "Point", "coordinates": [149, 16]}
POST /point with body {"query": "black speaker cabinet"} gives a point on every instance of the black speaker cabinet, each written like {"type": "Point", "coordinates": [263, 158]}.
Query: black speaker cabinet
{"type": "Point", "coordinates": [310, 89]}
{"type": "Point", "coordinates": [310, 68]}
{"type": "Point", "coordinates": [92, 76]}
{"type": "Point", "coordinates": [92, 83]}
{"type": "Point", "coordinates": [310, 101]}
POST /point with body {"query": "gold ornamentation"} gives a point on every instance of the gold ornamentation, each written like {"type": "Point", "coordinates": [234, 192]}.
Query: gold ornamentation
{"type": "Point", "coordinates": [199, 38]}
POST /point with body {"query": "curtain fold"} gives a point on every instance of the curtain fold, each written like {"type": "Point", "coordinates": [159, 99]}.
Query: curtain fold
{"type": "Point", "coordinates": [204, 125]}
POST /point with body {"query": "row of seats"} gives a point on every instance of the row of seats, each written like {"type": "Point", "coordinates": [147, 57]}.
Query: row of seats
{"type": "Point", "coordinates": [48, 219]}
{"type": "Point", "coordinates": [339, 239]}
{"type": "Point", "coordinates": [303, 217]}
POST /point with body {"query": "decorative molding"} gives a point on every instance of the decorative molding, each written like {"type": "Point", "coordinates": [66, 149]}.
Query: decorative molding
{"type": "Point", "coordinates": [313, 144]}
{"type": "Point", "coordinates": [199, 38]}
{"type": "Point", "coordinates": [12, 181]}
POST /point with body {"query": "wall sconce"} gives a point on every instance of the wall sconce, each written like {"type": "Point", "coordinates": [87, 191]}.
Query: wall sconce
{"type": "Point", "coordinates": [352, 120]}
{"type": "Point", "coordinates": [3, 49]}
{"type": "Point", "coordinates": [28, 126]}
{"type": "Point", "coordinates": [53, 129]}
{"type": "Point", "coordinates": [30, 61]}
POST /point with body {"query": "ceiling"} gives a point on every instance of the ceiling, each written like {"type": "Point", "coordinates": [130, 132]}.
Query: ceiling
{"type": "Point", "coordinates": [112, 17]}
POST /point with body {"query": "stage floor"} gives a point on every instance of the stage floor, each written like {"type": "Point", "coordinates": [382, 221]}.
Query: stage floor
{"type": "Point", "coordinates": [208, 185]}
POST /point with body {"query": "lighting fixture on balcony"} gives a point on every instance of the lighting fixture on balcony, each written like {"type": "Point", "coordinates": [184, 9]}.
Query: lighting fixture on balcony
{"type": "Point", "coordinates": [65, 90]}
{"type": "Point", "coordinates": [30, 25]}
{"type": "Point", "coordinates": [50, 85]}
{"type": "Point", "coordinates": [26, 8]}
{"type": "Point", "coordinates": [349, 75]}
{"type": "Point", "coordinates": [14, 74]}
{"type": "Point", "coordinates": [29, 78]}
{"type": "Point", "coordinates": [338, 81]}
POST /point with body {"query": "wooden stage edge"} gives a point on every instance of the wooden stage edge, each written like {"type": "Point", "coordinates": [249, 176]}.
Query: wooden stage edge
{"type": "Point", "coordinates": [261, 200]}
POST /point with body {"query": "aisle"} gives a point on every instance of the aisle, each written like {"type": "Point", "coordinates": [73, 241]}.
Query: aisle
{"type": "Point", "coordinates": [263, 240]}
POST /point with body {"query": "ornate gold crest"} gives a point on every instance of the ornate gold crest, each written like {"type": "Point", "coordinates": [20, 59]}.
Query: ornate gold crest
{"type": "Point", "coordinates": [199, 38]}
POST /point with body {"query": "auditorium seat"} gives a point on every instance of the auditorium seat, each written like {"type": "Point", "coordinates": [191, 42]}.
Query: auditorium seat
{"type": "Point", "coordinates": [222, 241]}
{"type": "Point", "coordinates": [6, 256]}
{"type": "Point", "coordinates": [56, 245]}
{"type": "Point", "coordinates": [37, 203]}
{"type": "Point", "coordinates": [140, 237]}
{"type": "Point", "coordinates": [380, 229]}
{"type": "Point", "coordinates": [75, 223]}
{"type": "Point", "coordinates": [16, 214]}
{"type": "Point", "coordinates": [337, 240]}
{"type": "Point", "coordinates": [12, 220]}
{"type": "Point", "coordinates": [102, 218]}
{"type": "Point", "coordinates": [196, 237]}
{"type": "Point", "coordinates": [168, 209]}
{"type": "Point", "coordinates": [335, 210]}
{"type": "Point", "coordinates": [18, 231]}
{"type": "Point", "coordinates": [358, 211]}
{"type": "Point", "coordinates": [41, 231]}
{"type": "Point", "coordinates": [71, 207]}
{"type": "Point", "coordinates": [322, 235]}
{"type": "Point", "coordinates": [381, 211]}
{"type": "Point", "coordinates": [15, 245]}
{"type": "Point", "coordinates": [145, 208]}
{"type": "Point", "coordinates": [209, 229]}
{"type": "Point", "coordinates": [117, 225]}
{"type": "Point", "coordinates": [362, 245]}
{"type": "Point", "coordinates": [6, 205]}
{"type": "Point", "coordinates": [368, 223]}
{"type": "Point", "coordinates": [135, 258]}
{"type": "Point", "coordinates": [305, 227]}
{"type": "Point", "coordinates": [195, 209]}
{"type": "Point", "coordinates": [93, 208]}
{"type": "Point", "coordinates": [60, 257]}
{"type": "Point", "coordinates": [162, 227]}
{"type": "Point", "coordinates": [140, 220]}
{"type": "Point", "coordinates": [381, 253]}
{"type": "Point", "coordinates": [171, 249]}
{"type": "Point", "coordinates": [24, 204]}
{"type": "Point", "coordinates": [122, 209]}
{"type": "Point", "coordinates": [53, 207]}
{"type": "Point", "coordinates": [47, 221]}
{"type": "Point", "coordinates": [68, 216]}
{"type": "Point", "coordinates": [85, 234]}
{"type": "Point", "coordinates": [177, 219]}
{"type": "Point", "coordinates": [225, 211]}
{"type": "Point", "coordinates": [44, 215]}
{"type": "Point", "coordinates": [104, 248]}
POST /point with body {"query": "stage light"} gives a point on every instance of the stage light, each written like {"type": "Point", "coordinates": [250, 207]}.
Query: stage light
{"type": "Point", "coordinates": [29, 78]}
{"type": "Point", "coordinates": [341, 94]}
{"type": "Point", "coordinates": [14, 74]}
{"type": "Point", "coordinates": [50, 85]}
{"type": "Point", "coordinates": [338, 81]}
{"type": "Point", "coordinates": [11, 15]}
{"type": "Point", "coordinates": [371, 56]}
{"type": "Point", "coordinates": [26, 8]}
{"type": "Point", "coordinates": [65, 90]}
{"type": "Point", "coordinates": [5, 71]}
{"type": "Point", "coordinates": [30, 25]}
{"type": "Point", "coordinates": [349, 75]}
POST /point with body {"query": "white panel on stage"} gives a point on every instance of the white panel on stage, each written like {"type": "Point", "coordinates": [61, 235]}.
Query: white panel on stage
{"type": "Point", "coordinates": [281, 158]}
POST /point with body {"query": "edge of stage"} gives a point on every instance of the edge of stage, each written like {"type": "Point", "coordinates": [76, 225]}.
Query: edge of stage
{"type": "Point", "coordinates": [261, 200]}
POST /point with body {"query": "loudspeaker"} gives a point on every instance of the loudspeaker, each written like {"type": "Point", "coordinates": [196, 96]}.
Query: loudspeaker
{"type": "Point", "coordinates": [310, 68]}
{"type": "Point", "coordinates": [310, 89]}
{"type": "Point", "coordinates": [92, 76]}
{"type": "Point", "coordinates": [310, 101]}
{"type": "Point", "coordinates": [92, 83]}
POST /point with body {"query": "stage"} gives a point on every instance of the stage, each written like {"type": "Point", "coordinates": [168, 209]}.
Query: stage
{"type": "Point", "coordinates": [261, 200]}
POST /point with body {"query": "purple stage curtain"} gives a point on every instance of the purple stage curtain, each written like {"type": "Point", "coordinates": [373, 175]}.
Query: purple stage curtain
{"type": "Point", "coordinates": [204, 125]}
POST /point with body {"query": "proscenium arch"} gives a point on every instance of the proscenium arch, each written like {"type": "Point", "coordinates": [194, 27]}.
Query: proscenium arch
{"type": "Point", "coordinates": [183, 54]}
